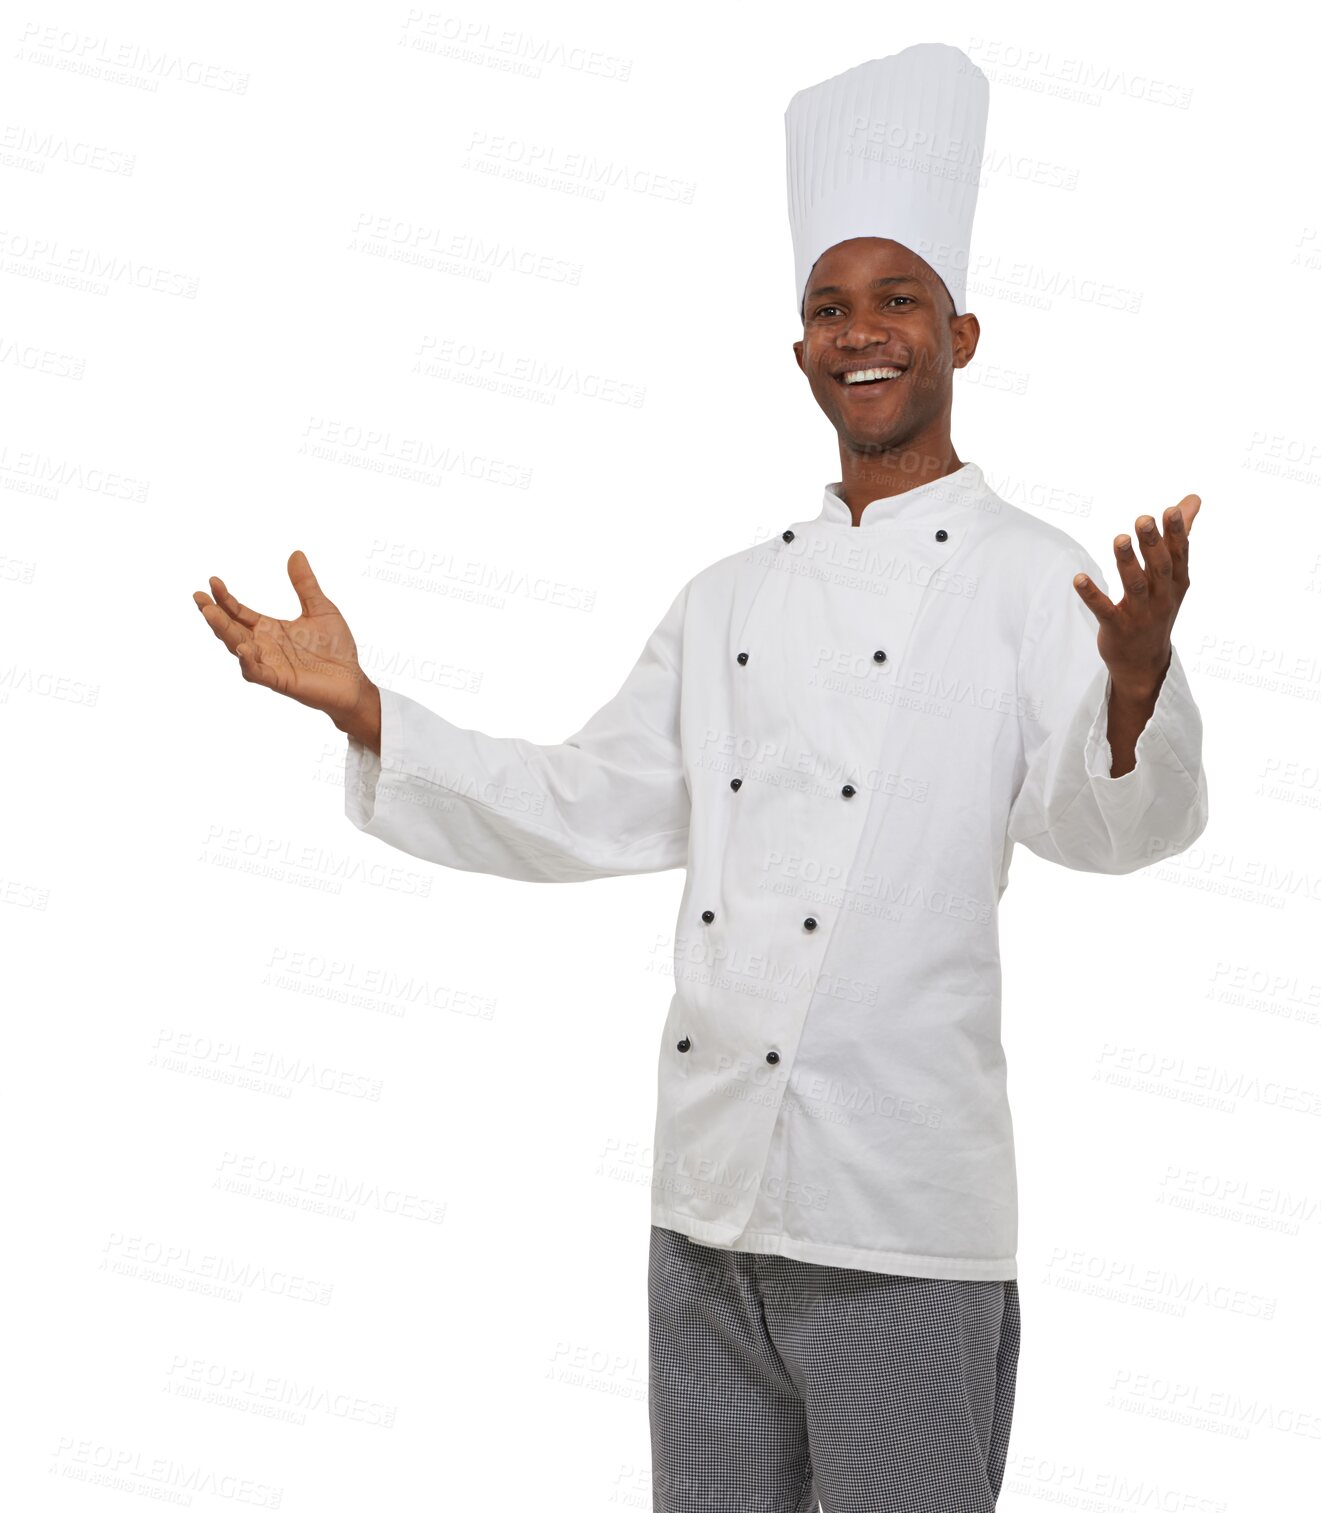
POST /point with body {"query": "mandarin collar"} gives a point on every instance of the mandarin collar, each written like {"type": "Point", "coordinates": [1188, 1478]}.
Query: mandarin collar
{"type": "Point", "coordinates": [959, 490]}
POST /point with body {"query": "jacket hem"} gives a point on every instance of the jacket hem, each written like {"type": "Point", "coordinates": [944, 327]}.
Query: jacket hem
{"type": "Point", "coordinates": [896, 1262]}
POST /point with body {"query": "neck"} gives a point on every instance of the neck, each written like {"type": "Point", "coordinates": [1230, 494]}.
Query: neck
{"type": "Point", "coordinates": [865, 476]}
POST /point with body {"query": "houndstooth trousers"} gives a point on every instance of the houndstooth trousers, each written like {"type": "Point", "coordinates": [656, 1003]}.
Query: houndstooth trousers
{"type": "Point", "coordinates": [774, 1383]}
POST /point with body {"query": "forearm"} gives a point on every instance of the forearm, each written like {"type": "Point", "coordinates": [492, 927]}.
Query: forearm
{"type": "Point", "coordinates": [363, 722]}
{"type": "Point", "coordinates": [1131, 706]}
{"type": "Point", "coordinates": [612, 799]}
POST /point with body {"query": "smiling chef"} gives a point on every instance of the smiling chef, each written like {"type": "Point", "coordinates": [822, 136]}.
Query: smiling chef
{"type": "Point", "coordinates": [841, 734]}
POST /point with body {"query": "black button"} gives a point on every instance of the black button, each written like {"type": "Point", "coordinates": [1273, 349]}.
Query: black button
{"type": "Point", "coordinates": [942, 535]}
{"type": "Point", "coordinates": [685, 1044]}
{"type": "Point", "coordinates": [707, 916]}
{"type": "Point", "coordinates": [742, 659]}
{"type": "Point", "coordinates": [736, 784]}
{"type": "Point", "coordinates": [809, 923]}
{"type": "Point", "coordinates": [772, 1057]}
{"type": "Point", "coordinates": [878, 656]}
{"type": "Point", "coordinates": [788, 535]}
{"type": "Point", "coordinates": [848, 790]}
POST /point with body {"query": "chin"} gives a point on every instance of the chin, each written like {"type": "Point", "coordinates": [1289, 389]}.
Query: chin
{"type": "Point", "coordinates": [875, 441]}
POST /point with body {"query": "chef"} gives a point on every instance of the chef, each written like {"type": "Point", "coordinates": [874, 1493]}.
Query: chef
{"type": "Point", "coordinates": [841, 733]}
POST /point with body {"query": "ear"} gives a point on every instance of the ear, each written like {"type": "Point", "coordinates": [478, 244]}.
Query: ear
{"type": "Point", "coordinates": [798, 353]}
{"type": "Point", "coordinates": [964, 330]}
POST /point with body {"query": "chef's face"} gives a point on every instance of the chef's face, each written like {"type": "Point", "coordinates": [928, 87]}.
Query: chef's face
{"type": "Point", "coordinates": [872, 303]}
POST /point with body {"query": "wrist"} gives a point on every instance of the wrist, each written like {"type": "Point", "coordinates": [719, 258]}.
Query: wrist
{"type": "Point", "coordinates": [1133, 693]}
{"type": "Point", "coordinates": [1137, 690]}
{"type": "Point", "coordinates": [362, 722]}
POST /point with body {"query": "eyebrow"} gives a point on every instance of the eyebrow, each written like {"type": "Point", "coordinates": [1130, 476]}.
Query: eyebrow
{"type": "Point", "coordinates": [876, 283]}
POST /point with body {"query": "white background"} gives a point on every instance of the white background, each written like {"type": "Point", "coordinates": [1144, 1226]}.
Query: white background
{"type": "Point", "coordinates": [233, 250]}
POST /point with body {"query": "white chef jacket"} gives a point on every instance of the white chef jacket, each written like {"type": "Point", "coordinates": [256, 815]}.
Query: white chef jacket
{"type": "Point", "coordinates": [841, 733]}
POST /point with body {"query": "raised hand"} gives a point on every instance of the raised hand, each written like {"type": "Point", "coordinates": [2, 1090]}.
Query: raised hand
{"type": "Point", "coordinates": [312, 659]}
{"type": "Point", "coordinates": [1134, 635]}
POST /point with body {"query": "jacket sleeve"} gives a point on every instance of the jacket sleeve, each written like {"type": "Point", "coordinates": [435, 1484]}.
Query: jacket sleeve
{"type": "Point", "coordinates": [610, 799]}
{"type": "Point", "coordinates": [1068, 809]}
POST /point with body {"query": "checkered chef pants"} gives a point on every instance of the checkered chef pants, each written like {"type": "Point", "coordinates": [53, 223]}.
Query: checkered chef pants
{"type": "Point", "coordinates": [775, 1382]}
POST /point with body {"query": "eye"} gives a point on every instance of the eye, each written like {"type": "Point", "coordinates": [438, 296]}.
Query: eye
{"type": "Point", "coordinates": [823, 309]}
{"type": "Point", "coordinates": [908, 297]}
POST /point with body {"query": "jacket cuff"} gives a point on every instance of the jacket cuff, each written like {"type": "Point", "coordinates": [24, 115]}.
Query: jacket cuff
{"type": "Point", "coordinates": [364, 792]}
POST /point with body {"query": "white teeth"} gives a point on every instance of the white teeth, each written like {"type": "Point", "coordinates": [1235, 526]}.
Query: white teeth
{"type": "Point", "coordinates": [865, 375]}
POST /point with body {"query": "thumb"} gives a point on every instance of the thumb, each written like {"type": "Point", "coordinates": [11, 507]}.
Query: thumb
{"type": "Point", "coordinates": [305, 585]}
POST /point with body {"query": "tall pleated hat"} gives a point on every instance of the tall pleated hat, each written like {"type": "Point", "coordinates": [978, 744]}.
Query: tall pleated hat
{"type": "Point", "coordinates": [891, 148]}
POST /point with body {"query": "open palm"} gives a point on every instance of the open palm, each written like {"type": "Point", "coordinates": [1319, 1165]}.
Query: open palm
{"type": "Point", "coordinates": [1134, 636]}
{"type": "Point", "coordinates": [312, 659]}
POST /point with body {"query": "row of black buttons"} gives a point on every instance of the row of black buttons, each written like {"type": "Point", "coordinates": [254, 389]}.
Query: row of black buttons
{"type": "Point", "coordinates": [941, 535]}
{"type": "Point", "coordinates": [848, 791]}
{"type": "Point", "coordinates": [772, 1056]}
{"type": "Point", "coordinates": [742, 658]}
{"type": "Point", "coordinates": [709, 914]}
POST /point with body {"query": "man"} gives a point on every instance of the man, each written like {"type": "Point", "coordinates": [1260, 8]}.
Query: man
{"type": "Point", "coordinates": [841, 734]}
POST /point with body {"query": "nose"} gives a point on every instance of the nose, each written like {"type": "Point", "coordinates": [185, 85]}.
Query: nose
{"type": "Point", "coordinates": [863, 332]}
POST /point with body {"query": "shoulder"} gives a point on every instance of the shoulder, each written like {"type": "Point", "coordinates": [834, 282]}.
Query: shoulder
{"type": "Point", "coordinates": [718, 579]}
{"type": "Point", "coordinates": [1022, 531]}
{"type": "Point", "coordinates": [705, 593]}
{"type": "Point", "coordinates": [1033, 557]}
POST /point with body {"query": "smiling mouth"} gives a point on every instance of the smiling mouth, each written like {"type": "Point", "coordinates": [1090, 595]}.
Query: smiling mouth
{"type": "Point", "coordinates": [870, 378]}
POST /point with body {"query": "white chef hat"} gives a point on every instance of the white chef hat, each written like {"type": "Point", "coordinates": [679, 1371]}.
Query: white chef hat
{"type": "Point", "coordinates": [891, 148]}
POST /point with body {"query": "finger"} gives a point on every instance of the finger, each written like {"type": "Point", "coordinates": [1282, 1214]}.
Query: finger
{"type": "Point", "coordinates": [1131, 572]}
{"type": "Point", "coordinates": [231, 605]}
{"type": "Point", "coordinates": [252, 666]}
{"type": "Point", "coordinates": [227, 630]}
{"type": "Point", "coordinates": [305, 585]}
{"type": "Point", "coordinates": [1155, 554]}
{"type": "Point", "coordinates": [1176, 542]}
{"type": "Point", "coordinates": [1100, 604]}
